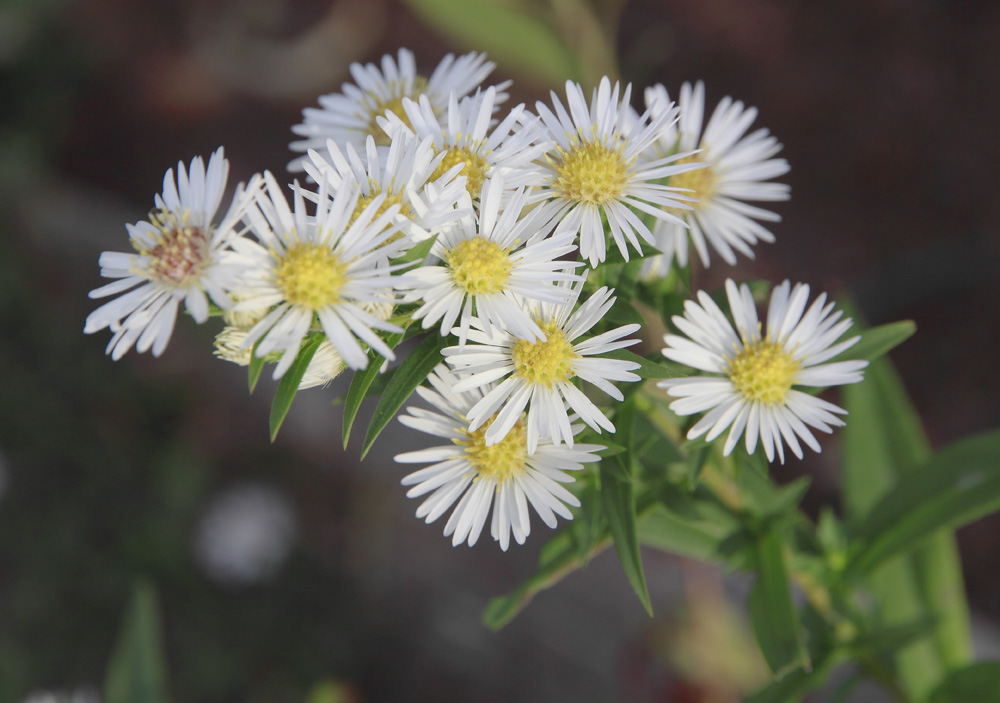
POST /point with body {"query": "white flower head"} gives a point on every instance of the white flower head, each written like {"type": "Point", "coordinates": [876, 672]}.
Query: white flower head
{"type": "Point", "coordinates": [493, 262]}
{"type": "Point", "coordinates": [317, 272]}
{"type": "Point", "coordinates": [739, 168]}
{"type": "Point", "coordinates": [477, 475]}
{"type": "Point", "coordinates": [466, 134]}
{"type": "Point", "coordinates": [406, 174]}
{"type": "Point", "coordinates": [596, 169]}
{"type": "Point", "coordinates": [180, 256]}
{"type": "Point", "coordinates": [539, 373]}
{"type": "Point", "coordinates": [750, 388]}
{"type": "Point", "coordinates": [350, 116]}
{"type": "Point", "coordinates": [245, 534]}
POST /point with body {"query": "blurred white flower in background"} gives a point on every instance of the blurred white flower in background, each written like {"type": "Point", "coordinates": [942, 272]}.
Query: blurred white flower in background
{"type": "Point", "coordinates": [245, 534]}
{"type": "Point", "coordinates": [79, 695]}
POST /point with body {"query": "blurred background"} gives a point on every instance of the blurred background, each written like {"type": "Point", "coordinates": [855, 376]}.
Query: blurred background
{"type": "Point", "coordinates": [291, 571]}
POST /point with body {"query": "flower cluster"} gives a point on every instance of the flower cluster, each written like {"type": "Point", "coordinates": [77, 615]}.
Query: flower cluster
{"type": "Point", "coordinates": [425, 202]}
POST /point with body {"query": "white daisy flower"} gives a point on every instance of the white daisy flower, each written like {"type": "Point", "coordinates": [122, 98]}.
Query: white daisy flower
{"type": "Point", "coordinates": [596, 169]}
{"type": "Point", "coordinates": [477, 475]}
{"type": "Point", "coordinates": [493, 261]}
{"type": "Point", "coordinates": [739, 168]}
{"type": "Point", "coordinates": [350, 116]}
{"type": "Point", "coordinates": [752, 389]}
{"type": "Point", "coordinates": [405, 173]}
{"type": "Point", "coordinates": [539, 373]}
{"type": "Point", "coordinates": [465, 136]}
{"type": "Point", "coordinates": [326, 267]}
{"type": "Point", "coordinates": [180, 256]}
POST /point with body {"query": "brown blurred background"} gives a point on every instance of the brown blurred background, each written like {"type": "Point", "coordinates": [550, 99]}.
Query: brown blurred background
{"type": "Point", "coordinates": [285, 568]}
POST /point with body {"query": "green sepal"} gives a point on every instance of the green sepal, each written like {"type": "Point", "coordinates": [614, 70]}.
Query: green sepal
{"type": "Point", "coordinates": [254, 368]}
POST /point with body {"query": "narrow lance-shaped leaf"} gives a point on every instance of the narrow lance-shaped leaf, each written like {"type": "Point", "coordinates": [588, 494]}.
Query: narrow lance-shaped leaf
{"type": "Point", "coordinates": [618, 503]}
{"type": "Point", "coordinates": [289, 384]}
{"type": "Point", "coordinates": [882, 440]}
{"type": "Point", "coordinates": [417, 253]}
{"type": "Point", "coordinates": [879, 341]}
{"type": "Point", "coordinates": [978, 682]}
{"type": "Point", "coordinates": [772, 613]}
{"type": "Point", "coordinates": [362, 383]}
{"type": "Point", "coordinates": [959, 484]}
{"type": "Point", "coordinates": [137, 671]}
{"type": "Point", "coordinates": [513, 37]}
{"type": "Point", "coordinates": [404, 381]}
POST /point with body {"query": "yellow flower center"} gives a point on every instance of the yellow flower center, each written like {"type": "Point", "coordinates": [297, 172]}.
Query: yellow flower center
{"type": "Point", "coordinates": [390, 200]}
{"type": "Point", "coordinates": [702, 181]}
{"type": "Point", "coordinates": [479, 266]}
{"type": "Point", "coordinates": [501, 461]}
{"type": "Point", "coordinates": [763, 371]}
{"type": "Point", "coordinates": [545, 362]}
{"type": "Point", "coordinates": [394, 104]}
{"type": "Point", "coordinates": [311, 275]}
{"type": "Point", "coordinates": [592, 173]}
{"type": "Point", "coordinates": [180, 252]}
{"type": "Point", "coordinates": [474, 169]}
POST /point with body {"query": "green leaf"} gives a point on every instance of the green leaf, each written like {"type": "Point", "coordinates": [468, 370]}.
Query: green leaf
{"type": "Point", "coordinates": [137, 670]}
{"type": "Point", "coordinates": [647, 368]}
{"type": "Point", "coordinates": [618, 503]}
{"type": "Point", "coordinates": [255, 367]}
{"type": "Point", "coordinates": [879, 341]}
{"type": "Point", "coordinates": [361, 384]}
{"type": "Point", "coordinates": [979, 683]}
{"type": "Point", "coordinates": [882, 441]}
{"type": "Point", "coordinates": [417, 253]}
{"type": "Point", "coordinates": [511, 37]}
{"type": "Point", "coordinates": [289, 384]}
{"type": "Point", "coordinates": [958, 485]}
{"type": "Point", "coordinates": [665, 530]}
{"type": "Point", "coordinates": [772, 613]}
{"type": "Point", "coordinates": [405, 379]}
